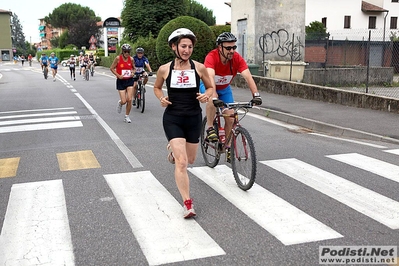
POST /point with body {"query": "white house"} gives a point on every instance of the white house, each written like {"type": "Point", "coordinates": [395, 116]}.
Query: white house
{"type": "Point", "coordinates": [353, 19]}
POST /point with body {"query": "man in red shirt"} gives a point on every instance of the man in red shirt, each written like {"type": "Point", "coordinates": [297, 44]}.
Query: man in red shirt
{"type": "Point", "coordinates": [223, 64]}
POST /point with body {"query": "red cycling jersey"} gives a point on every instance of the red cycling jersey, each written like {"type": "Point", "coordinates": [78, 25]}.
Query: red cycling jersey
{"type": "Point", "coordinates": [124, 68]}
{"type": "Point", "coordinates": [224, 73]}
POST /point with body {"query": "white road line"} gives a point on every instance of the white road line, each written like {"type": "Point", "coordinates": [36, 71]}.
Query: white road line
{"type": "Point", "coordinates": [381, 168]}
{"type": "Point", "coordinates": [396, 151]}
{"type": "Point", "coordinates": [36, 228]}
{"type": "Point", "coordinates": [156, 219]}
{"type": "Point", "coordinates": [275, 122]}
{"type": "Point", "coordinates": [287, 223]}
{"type": "Point", "coordinates": [36, 115]}
{"type": "Point", "coordinates": [350, 140]}
{"type": "Point", "coordinates": [39, 120]}
{"type": "Point", "coordinates": [45, 126]}
{"type": "Point", "coordinates": [363, 200]}
{"type": "Point", "coordinates": [37, 110]}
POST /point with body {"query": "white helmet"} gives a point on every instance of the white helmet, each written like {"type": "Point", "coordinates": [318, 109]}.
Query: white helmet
{"type": "Point", "coordinates": [179, 33]}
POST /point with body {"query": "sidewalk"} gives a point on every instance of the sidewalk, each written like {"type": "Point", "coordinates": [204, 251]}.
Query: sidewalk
{"type": "Point", "coordinates": [334, 119]}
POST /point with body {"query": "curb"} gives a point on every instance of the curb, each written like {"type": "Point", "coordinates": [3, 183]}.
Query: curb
{"type": "Point", "coordinates": [321, 126]}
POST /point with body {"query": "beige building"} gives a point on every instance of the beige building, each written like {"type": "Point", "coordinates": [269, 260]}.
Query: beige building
{"type": "Point", "coordinates": [47, 32]}
{"type": "Point", "coordinates": [5, 35]}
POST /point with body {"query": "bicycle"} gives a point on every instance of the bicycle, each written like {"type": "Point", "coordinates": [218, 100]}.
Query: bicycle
{"type": "Point", "coordinates": [242, 151]}
{"type": "Point", "coordinates": [45, 72]}
{"type": "Point", "coordinates": [139, 97]}
{"type": "Point", "coordinates": [92, 69]}
{"type": "Point", "coordinates": [87, 74]}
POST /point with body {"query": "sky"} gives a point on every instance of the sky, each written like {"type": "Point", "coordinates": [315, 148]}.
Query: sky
{"type": "Point", "coordinates": [29, 12]}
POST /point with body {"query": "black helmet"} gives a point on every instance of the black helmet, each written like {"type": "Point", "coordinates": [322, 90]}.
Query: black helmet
{"type": "Point", "coordinates": [140, 50]}
{"type": "Point", "coordinates": [126, 47]}
{"type": "Point", "coordinates": [225, 37]}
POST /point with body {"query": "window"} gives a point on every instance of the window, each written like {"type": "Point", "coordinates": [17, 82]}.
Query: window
{"type": "Point", "coordinates": [372, 22]}
{"type": "Point", "coordinates": [395, 1]}
{"type": "Point", "coordinates": [347, 22]}
{"type": "Point", "coordinates": [324, 21]}
{"type": "Point", "coordinates": [394, 23]}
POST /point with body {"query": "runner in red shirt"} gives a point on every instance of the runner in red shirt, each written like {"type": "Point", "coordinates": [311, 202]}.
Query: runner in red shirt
{"type": "Point", "coordinates": [123, 69]}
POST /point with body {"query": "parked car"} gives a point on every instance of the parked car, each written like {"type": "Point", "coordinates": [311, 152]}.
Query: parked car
{"type": "Point", "coordinates": [64, 63]}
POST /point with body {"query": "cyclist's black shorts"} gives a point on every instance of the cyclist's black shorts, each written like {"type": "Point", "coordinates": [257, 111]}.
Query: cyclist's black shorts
{"type": "Point", "coordinates": [187, 127]}
{"type": "Point", "coordinates": [122, 84]}
{"type": "Point", "coordinates": [136, 75]}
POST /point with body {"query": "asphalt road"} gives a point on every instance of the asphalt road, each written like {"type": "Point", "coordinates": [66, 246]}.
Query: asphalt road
{"type": "Point", "coordinates": [78, 186]}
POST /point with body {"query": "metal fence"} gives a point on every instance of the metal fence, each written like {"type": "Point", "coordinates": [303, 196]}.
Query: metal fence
{"type": "Point", "coordinates": [358, 49]}
{"type": "Point", "coordinates": [362, 60]}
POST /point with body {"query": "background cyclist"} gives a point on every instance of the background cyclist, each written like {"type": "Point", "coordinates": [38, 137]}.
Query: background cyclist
{"type": "Point", "coordinates": [140, 62]}
{"type": "Point", "coordinates": [84, 65]}
{"type": "Point", "coordinates": [92, 59]}
{"type": "Point", "coordinates": [43, 61]}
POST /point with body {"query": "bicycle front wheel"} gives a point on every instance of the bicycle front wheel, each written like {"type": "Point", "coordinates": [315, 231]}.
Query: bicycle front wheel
{"type": "Point", "coordinates": [209, 149]}
{"type": "Point", "coordinates": [142, 99]}
{"type": "Point", "coordinates": [45, 72]}
{"type": "Point", "coordinates": [87, 74]}
{"type": "Point", "coordinates": [243, 158]}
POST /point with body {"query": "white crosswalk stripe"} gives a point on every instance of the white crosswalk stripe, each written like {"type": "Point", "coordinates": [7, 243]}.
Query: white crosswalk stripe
{"type": "Point", "coordinates": [40, 119]}
{"type": "Point", "coordinates": [36, 223]}
{"type": "Point", "coordinates": [372, 165]}
{"type": "Point", "coordinates": [286, 222]}
{"type": "Point", "coordinates": [156, 220]}
{"type": "Point", "coordinates": [382, 209]}
{"type": "Point", "coordinates": [36, 229]}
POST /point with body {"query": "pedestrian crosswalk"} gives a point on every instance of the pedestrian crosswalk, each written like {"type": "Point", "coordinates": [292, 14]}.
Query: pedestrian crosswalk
{"type": "Point", "coordinates": [38, 119]}
{"type": "Point", "coordinates": [36, 220]}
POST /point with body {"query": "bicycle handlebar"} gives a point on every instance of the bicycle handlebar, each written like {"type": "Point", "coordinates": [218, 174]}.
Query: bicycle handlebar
{"type": "Point", "coordinates": [235, 105]}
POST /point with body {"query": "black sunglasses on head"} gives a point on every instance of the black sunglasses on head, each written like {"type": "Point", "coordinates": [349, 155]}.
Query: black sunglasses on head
{"type": "Point", "coordinates": [228, 48]}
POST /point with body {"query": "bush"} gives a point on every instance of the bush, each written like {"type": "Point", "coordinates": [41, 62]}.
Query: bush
{"type": "Point", "coordinates": [205, 38]}
{"type": "Point", "coordinates": [219, 29]}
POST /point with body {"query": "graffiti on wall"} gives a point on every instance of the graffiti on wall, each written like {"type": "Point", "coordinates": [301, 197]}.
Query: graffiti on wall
{"type": "Point", "coordinates": [281, 43]}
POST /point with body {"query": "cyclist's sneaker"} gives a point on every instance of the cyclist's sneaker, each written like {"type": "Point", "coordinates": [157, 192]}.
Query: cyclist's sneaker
{"type": "Point", "coordinates": [134, 102]}
{"type": "Point", "coordinates": [211, 135]}
{"type": "Point", "coordinates": [188, 209]}
{"type": "Point", "coordinates": [127, 119]}
{"type": "Point", "coordinates": [171, 158]}
{"type": "Point", "coordinates": [119, 107]}
{"type": "Point", "coordinates": [228, 155]}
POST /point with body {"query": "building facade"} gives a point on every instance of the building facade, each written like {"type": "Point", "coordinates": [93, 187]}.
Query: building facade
{"type": "Point", "coordinates": [5, 36]}
{"type": "Point", "coordinates": [46, 33]}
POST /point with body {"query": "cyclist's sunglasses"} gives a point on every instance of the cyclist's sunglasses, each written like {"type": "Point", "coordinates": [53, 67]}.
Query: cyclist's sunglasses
{"type": "Point", "coordinates": [228, 48]}
{"type": "Point", "coordinates": [126, 51]}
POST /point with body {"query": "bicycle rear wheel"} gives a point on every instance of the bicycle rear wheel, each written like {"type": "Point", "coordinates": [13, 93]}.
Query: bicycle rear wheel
{"type": "Point", "coordinates": [142, 99]}
{"type": "Point", "coordinates": [209, 149]}
{"type": "Point", "coordinates": [243, 158]}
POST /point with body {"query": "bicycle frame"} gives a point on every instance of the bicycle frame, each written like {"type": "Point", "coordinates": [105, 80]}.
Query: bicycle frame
{"type": "Point", "coordinates": [242, 150]}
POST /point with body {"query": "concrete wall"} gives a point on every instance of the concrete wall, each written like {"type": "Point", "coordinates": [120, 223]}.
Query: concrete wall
{"type": "Point", "coordinates": [325, 94]}
{"type": "Point", "coordinates": [348, 76]}
{"type": "Point", "coordinates": [274, 21]}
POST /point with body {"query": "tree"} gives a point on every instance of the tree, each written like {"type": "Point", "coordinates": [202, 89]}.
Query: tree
{"type": "Point", "coordinates": [196, 10]}
{"type": "Point", "coordinates": [141, 17]}
{"type": "Point", "coordinates": [17, 35]}
{"type": "Point", "coordinates": [316, 31]}
{"type": "Point", "coordinates": [80, 22]}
